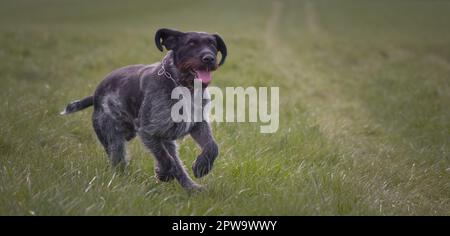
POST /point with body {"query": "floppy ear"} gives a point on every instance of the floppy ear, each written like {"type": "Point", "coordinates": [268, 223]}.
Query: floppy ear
{"type": "Point", "coordinates": [221, 47]}
{"type": "Point", "coordinates": [166, 37]}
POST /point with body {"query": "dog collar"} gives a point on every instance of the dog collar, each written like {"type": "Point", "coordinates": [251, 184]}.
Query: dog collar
{"type": "Point", "coordinates": [163, 71]}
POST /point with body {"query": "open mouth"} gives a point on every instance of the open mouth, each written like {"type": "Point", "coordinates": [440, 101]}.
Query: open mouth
{"type": "Point", "coordinates": [203, 75]}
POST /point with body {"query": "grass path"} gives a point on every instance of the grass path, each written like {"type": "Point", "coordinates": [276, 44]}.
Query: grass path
{"type": "Point", "coordinates": [349, 127]}
{"type": "Point", "coordinates": [311, 19]}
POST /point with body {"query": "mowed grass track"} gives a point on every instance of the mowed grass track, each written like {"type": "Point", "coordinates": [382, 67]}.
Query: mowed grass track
{"type": "Point", "coordinates": [364, 108]}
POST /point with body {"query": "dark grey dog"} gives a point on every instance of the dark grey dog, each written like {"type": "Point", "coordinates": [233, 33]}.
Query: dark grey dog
{"type": "Point", "coordinates": [137, 100]}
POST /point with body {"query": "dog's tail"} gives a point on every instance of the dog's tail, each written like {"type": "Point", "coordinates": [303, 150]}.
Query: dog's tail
{"type": "Point", "coordinates": [78, 105]}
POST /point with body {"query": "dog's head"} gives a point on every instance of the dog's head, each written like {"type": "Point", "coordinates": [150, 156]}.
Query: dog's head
{"type": "Point", "coordinates": [193, 52]}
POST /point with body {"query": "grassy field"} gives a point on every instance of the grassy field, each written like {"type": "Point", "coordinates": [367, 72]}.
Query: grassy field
{"type": "Point", "coordinates": [364, 110]}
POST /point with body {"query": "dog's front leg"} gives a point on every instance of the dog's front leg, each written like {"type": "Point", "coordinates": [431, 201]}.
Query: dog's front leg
{"type": "Point", "coordinates": [202, 134]}
{"type": "Point", "coordinates": [171, 165]}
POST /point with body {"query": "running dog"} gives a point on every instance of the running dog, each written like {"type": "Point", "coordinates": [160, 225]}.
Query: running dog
{"type": "Point", "coordinates": [136, 100]}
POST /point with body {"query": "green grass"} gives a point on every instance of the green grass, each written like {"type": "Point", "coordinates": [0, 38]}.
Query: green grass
{"type": "Point", "coordinates": [364, 110]}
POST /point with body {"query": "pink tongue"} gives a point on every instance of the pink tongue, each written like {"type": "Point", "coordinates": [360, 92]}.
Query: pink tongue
{"type": "Point", "coordinates": [204, 76]}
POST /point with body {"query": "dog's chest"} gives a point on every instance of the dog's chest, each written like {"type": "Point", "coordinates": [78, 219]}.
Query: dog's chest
{"type": "Point", "coordinates": [186, 112]}
{"type": "Point", "coordinates": [172, 118]}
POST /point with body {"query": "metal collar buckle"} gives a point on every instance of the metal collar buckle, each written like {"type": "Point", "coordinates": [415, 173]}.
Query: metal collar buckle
{"type": "Point", "coordinates": [163, 71]}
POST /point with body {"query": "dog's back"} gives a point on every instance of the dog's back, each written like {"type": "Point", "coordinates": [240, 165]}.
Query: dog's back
{"type": "Point", "coordinates": [120, 91]}
{"type": "Point", "coordinates": [120, 86]}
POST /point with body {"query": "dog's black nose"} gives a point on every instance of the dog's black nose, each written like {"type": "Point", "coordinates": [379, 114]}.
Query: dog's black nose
{"type": "Point", "coordinates": [209, 59]}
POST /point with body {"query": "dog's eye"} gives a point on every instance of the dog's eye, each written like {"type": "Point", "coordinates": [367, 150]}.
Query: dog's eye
{"type": "Point", "coordinates": [192, 43]}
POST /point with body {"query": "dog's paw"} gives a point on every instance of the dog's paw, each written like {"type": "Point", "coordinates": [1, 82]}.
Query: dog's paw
{"type": "Point", "coordinates": [202, 166]}
{"type": "Point", "coordinates": [163, 176]}
{"type": "Point", "coordinates": [194, 187]}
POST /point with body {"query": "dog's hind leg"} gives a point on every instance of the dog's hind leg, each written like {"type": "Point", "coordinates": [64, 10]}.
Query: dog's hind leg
{"type": "Point", "coordinates": [110, 136]}
{"type": "Point", "coordinates": [168, 163]}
